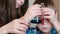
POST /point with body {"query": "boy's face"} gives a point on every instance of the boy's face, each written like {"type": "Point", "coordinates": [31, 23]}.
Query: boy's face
{"type": "Point", "coordinates": [46, 27]}
{"type": "Point", "coordinates": [19, 3]}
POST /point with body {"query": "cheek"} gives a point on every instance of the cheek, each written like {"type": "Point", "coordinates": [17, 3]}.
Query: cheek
{"type": "Point", "coordinates": [40, 26]}
{"type": "Point", "coordinates": [50, 26]}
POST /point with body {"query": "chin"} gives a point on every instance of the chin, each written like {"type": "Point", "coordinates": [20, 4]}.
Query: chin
{"type": "Point", "coordinates": [18, 6]}
{"type": "Point", "coordinates": [46, 31]}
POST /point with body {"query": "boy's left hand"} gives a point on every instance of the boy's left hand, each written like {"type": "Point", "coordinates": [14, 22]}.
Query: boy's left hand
{"type": "Point", "coordinates": [50, 14]}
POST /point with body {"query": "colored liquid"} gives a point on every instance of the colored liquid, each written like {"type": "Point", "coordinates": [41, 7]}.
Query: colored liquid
{"type": "Point", "coordinates": [35, 21]}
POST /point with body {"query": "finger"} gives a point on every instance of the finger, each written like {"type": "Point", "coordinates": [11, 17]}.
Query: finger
{"type": "Point", "coordinates": [23, 26]}
{"type": "Point", "coordinates": [26, 24]}
{"type": "Point", "coordinates": [19, 32]}
{"type": "Point", "coordinates": [46, 14]}
{"type": "Point", "coordinates": [49, 10]}
{"type": "Point", "coordinates": [18, 23]}
{"type": "Point", "coordinates": [44, 8]}
{"type": "Point", "coordinates": [36, 11]}
{"type": "Point", "coordinates": [47, 17]}
{"type": "Point", "coordinates": [37, 14]}
{"type": "Point", "coordinates": [22, 22]}
{"type": "Point", "coordinates": [21, 29]}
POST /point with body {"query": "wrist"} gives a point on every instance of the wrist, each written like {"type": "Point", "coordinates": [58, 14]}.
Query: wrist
{"type": "Point", "coordinates": [24, 19]}
{"type": "Point", "coordinates": [3, 30]}
{"type": "Point", "coordinates": [57, 25]}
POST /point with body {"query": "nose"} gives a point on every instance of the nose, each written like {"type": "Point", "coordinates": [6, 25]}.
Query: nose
{"type": "Point", "coordinates": [44, 22]}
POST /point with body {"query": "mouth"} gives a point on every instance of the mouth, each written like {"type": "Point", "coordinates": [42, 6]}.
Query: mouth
{"type": "Point", "coordinates": [45, 28]}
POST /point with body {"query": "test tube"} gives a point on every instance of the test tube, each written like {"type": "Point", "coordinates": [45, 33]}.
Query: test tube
{"type": "Point", "coordinates": [42, 5]}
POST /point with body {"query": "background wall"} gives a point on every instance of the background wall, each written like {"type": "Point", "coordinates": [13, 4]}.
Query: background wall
{"type": "Point", "coordinates": [59, 9]}
{"type": "Point", "coordinates": [31, 2]}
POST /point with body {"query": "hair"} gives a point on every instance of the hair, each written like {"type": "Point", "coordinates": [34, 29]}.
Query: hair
{"type": "Point", "coordinates": [46, 2]}
{"type": "Point", "coordinates": [8, 11]}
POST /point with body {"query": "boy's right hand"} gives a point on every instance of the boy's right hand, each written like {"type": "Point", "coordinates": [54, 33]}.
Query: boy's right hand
{"type": "Point", "coordinates": [32, 12]}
